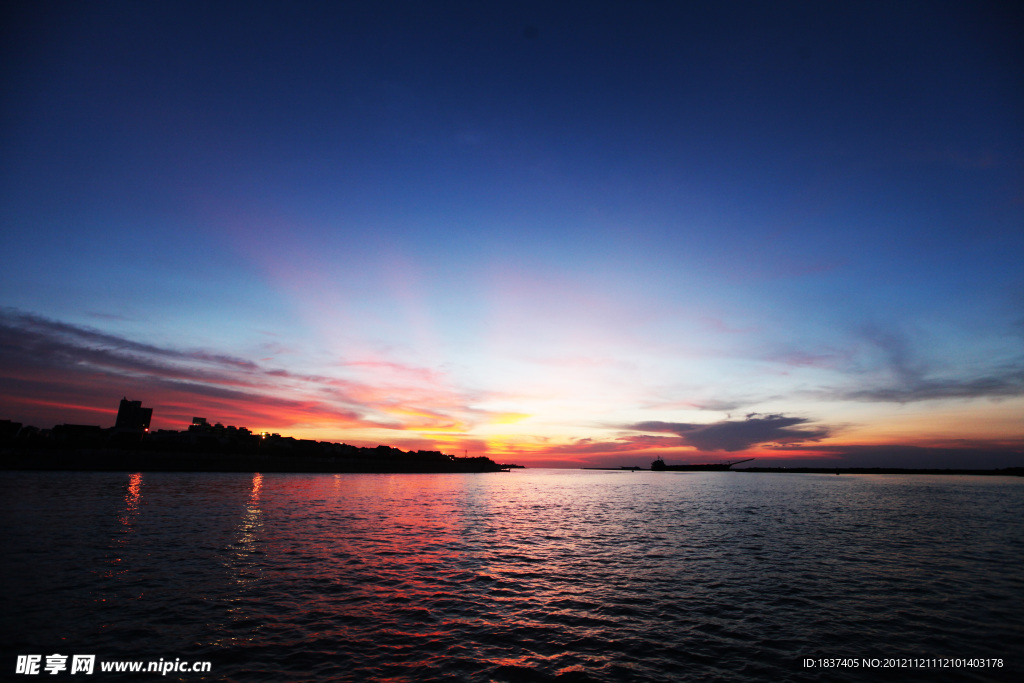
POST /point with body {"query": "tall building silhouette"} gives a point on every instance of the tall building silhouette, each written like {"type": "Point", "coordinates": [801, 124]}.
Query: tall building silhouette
{"type": "Point", "coordinates": [132, 417]}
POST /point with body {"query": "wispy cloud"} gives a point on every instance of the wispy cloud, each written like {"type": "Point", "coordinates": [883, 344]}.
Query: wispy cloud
{"type": "Point", "coordinates": [908, 376]}
{"type": "Point", "coordinates": [1008, 383]}
{"type": "Point", "coordinates": [42, 358]}
{"type": "Point", "coordinates": [708, 404]}
{"type": "Point", "coordinates": [624, 444]}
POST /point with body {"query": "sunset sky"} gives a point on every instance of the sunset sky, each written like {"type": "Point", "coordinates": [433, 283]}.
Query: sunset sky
{"type": "Point", "coordinates": [553, 233]}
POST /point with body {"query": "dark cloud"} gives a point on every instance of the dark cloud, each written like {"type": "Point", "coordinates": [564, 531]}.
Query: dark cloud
{"type": "Point", "coordinates": [738, 435]}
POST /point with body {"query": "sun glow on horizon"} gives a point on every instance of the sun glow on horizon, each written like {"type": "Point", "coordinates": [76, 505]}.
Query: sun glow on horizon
{"type": "Point", "coordinates": [471, 251]}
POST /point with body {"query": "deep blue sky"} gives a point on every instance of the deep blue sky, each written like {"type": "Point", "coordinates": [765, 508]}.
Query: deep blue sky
{"type": "Point", "coordinates": [536, 229]}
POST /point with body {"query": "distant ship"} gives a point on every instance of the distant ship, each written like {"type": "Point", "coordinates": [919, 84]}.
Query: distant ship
{"type": "Point", "coordinates": [660, 466]}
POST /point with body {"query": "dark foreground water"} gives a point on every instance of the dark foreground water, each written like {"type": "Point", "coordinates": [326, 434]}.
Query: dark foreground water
{"type": "Point", "coordinates": [532, 575]}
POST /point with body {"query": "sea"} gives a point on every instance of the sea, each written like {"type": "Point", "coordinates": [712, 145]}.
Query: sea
{"type": "Point", "coordinates": [528, 575]}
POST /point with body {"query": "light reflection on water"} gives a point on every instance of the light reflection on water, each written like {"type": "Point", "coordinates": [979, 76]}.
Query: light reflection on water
{"type": "Point", "coordinates": [530, 575]}
{"type": "Point", "coordinates": [132, 499]}
{"type": "Point", "coordinates": [245, 553]}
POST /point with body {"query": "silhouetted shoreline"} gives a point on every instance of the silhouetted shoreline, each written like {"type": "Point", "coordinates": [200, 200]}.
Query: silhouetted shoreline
{"type": "Point", "coordinates": [205, 447]}
{"type": "Point", "coordinates": [1003, 472]}
{"type": "Point", "coordinates": [120, 460]}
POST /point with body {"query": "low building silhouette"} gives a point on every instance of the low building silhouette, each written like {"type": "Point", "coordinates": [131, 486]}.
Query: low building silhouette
{"type": "Point", "coordinates": [79, 435]}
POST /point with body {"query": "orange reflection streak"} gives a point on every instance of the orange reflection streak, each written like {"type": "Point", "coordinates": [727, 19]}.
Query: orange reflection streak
{"type": "Point", "coordinates": [132, 501]}
{"type": "Point", "coordinates": [132, 498]}
{"type": "Point", "coordinates": [257, 485]}
{"type": "Point", "coordinates": [245, 561]}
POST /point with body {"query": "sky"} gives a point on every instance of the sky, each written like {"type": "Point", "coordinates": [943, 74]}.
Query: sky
{"type": "Point", "coordinates": [553, 233]}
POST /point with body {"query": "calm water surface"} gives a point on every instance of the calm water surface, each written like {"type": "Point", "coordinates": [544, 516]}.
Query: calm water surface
{"type": "Point", "coordinates": [532, 575]}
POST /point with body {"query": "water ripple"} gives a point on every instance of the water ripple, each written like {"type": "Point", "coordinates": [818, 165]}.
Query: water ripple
{"type": "Point", "coordinates": [532, 576]}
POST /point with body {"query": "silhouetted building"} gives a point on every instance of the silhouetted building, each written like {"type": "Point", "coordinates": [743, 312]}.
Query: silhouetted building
{"type": "Point", "coordinates": [132, 417]}
{"type": "Point", "coordinates": [79, 435]}
{"type": "Point", "coordinates": [9, 430]}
